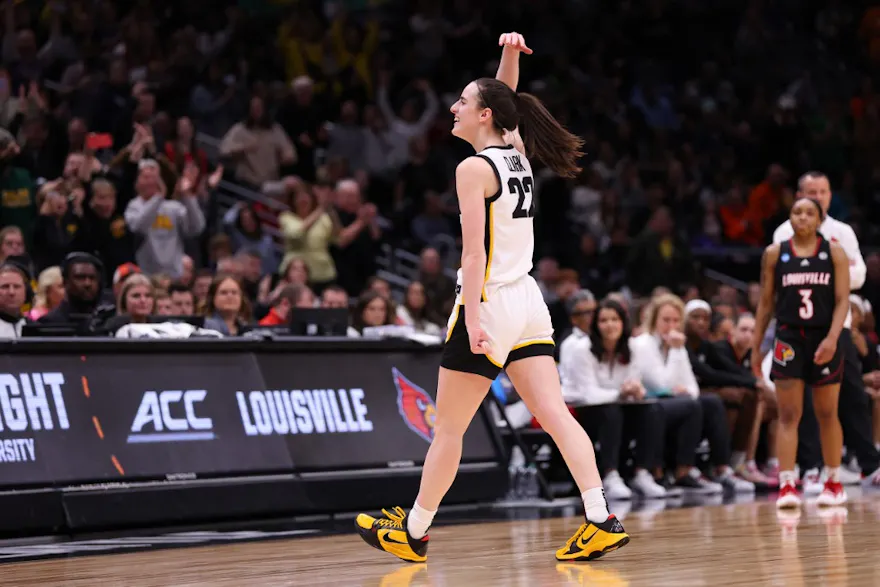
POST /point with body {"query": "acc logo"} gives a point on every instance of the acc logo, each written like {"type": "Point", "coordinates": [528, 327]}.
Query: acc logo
{"type": "Point", "coordinates": [155, 415]}
{"type": "Point", "coordinates": [782, 352]}
{"type": "Point", "coordinates": [416, 407]}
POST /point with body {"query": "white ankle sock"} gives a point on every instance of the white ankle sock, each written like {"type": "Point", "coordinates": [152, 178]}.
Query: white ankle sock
{"type": "Point", "coordinates": [772, 462]}
{"type": "Point", "coordinates": [595, 505]}
{"type": "Point", "coordinates": [833, 474]}
{"type": "Point", "coordinates": [419, 520]}
{"type": "Point", "coordinates": [787, 477]}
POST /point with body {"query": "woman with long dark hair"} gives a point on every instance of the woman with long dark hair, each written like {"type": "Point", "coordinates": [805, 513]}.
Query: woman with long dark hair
{"type": "Point", "coordinates": [600, 374]}
{"type": "Point", "coordinates": [500, 320]}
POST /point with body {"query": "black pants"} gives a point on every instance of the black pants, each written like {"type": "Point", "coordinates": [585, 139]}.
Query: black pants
{"type": "Point", "coordinates": [610, 425]}
{"type": "Point", "coordinates": [854, 411]}
{"type": "Point", "coordinates": [715, 428]}
{"type": "Point", "coordinates": [683, 418]}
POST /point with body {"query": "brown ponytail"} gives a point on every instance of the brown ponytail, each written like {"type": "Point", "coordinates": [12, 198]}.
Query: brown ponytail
{"type": "Point", "coordinates": [547, 140]}
{"type": "Point", "coordinates": [543, 137]}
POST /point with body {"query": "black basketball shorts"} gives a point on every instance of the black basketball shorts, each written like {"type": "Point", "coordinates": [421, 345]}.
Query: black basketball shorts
{"type": "Point", "coordinates": [793, 352]}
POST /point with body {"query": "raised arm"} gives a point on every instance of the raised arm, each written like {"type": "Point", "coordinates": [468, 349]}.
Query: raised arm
{"type": "Point", "coordinates": [765, 304]}
{"type": "Point", "coordinates": [508, 69]}
{"type": "Point", "coordinates": [508, 72]}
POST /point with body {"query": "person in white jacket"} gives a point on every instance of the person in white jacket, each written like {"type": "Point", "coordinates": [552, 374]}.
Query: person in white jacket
{"type": "Point", "coordinates": [599, 376]}
{"type": "Point", "coordinates": [667, 376]}
{"type": "Point", "coordinates": [853, 406]}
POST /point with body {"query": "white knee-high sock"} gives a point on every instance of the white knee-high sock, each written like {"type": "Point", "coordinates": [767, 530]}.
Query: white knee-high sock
{"type": "Point", "coordinates": [419, 520]}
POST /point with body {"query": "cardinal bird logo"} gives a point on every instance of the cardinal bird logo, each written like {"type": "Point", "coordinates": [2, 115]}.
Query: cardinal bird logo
{"type": "Point", "coordinates": [416, 407]}
{"type": "Point", "coordinates": [782, 352]}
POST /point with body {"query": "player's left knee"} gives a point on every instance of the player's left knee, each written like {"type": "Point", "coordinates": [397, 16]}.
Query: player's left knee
{"type": "Point", "coordinates": [825, 410]}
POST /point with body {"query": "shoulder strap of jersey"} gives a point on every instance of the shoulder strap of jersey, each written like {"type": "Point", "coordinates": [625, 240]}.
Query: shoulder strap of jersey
{"type": "Point", "coordinates": [785, 247]}
{"type": "Point", "coordinates": [489, 160]}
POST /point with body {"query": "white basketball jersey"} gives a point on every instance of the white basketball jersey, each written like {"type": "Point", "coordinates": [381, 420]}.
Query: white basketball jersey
{"type": "Point", "coordinates": [510, 234]}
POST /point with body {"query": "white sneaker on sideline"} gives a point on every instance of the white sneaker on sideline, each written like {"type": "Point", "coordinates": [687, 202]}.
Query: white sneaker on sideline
{"type": "Point", "coordinates": [872, 481]}
{"type": "Point", "coordinates": [849, 477]}
{"type": "Point", "coordinates": [813, 482]}
{"type": "Point", "coordinates": [707, 484]}
{"type": "Point", "coordinates": [644, 484]}
{"type": "Point", "coordinates": [615, 488]}
{"type": "Point", "coordinates": [735, 483]}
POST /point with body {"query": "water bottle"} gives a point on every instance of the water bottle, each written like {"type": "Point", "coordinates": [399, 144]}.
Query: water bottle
{"type": "Point", "coordinates": [512, 474]}
{"type": "Point", "coordinates": [531, 482]}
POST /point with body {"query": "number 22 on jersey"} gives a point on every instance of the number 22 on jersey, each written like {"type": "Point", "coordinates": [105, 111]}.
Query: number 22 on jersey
{"type": "Point", "coordinates": [525, 206]}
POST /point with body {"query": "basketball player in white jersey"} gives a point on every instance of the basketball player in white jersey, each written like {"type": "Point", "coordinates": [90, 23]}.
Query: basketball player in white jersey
{"type": "Point", "coordinates": [500, 319]}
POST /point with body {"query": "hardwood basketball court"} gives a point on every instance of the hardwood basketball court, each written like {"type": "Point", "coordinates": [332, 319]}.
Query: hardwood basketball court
{"type": "Point", "coordinates": [733, 544]}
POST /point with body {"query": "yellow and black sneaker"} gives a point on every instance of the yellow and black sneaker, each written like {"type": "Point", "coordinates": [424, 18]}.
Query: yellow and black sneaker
{"type": "Point", "coordinates": [594, 540]}
{"type": "Point", "coordinates": [390, 534]}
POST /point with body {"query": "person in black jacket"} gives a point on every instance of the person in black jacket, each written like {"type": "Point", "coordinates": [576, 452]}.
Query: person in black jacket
{"type": "Point", "coordinates": [757, 408]}
{"type": "Point", "coordinates": [102, 229]}
{"type": "Point", "coordinates": [722, 383]}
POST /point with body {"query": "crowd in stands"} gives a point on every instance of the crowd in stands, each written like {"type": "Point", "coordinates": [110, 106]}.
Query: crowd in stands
{"type": "Point", "coordinates": [123, 122]}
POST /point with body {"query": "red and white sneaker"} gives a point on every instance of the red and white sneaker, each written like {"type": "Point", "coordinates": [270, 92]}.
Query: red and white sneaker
{"type": "Point", "coordinates": [789, 497]}
{"type": "Point", "coordinates": [832, 494]}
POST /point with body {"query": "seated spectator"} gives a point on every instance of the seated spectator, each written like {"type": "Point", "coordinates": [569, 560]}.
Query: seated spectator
{"type": "Point", "coordinates": [49, 294]}
{"type": "Point", "coordinates": [82, 290]}
{"type": "Point", "coordinates": [11, 243]}
{"type": "Point", "coordinates": [580, 308]}
{"type": "Point", "coordinates": [287, 298]}
{"type": "Point", "coordinates": [161, 281]}
{"type": "Point", "coordinates": [293, 272]}
{"type": "Point", "coordinates": [721, 327]}
{"type": "Point", "coordinates": [722, 383]}
{"type": "Point", "coordinates": [414, 311]}
{"type": "Point", "coordinates": [227, 309]}
{"type": "Point", "coordinates": [371, 309]}
{"type": "Point", "coordinates": [870, 361]}
{"type": "Point", "coordinates": [439, 287]}
{"type": "Point", "coordinates": [380, 286]}
{"type": "Point", "coordinates": [567, 284]}
{"type": "Point", "coordinates": [758, 408]}
{"type": "Point", "coordinates": [122, 273]}
{"type": "Point", "coordinates": [183, 303]}
{"type": "Point", "coordinates": [251, 267]}
{"type": "Point", "coordinates": [246, 231]}
{"type": "Point", "coordinates": [334, 297]}
{"type": "Point", "coordinates": [13, 293]}
{"type": "Point", "coordinates": [163, 223]}
{"type": "Point", "coordinates": [164, 306]}
{"type": "Point", "coordinates": [667, 375]}
{"type": "Point", "coordinates": [188, 267]}
{"type": "Point", "coordinates": [135, 303]}
{"type": "Point", "coordinates": [598, 371]}
{"type": "Point", "coordinates": [219, 248]}
{"type": "Point", "coordinates": [201, 284]}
